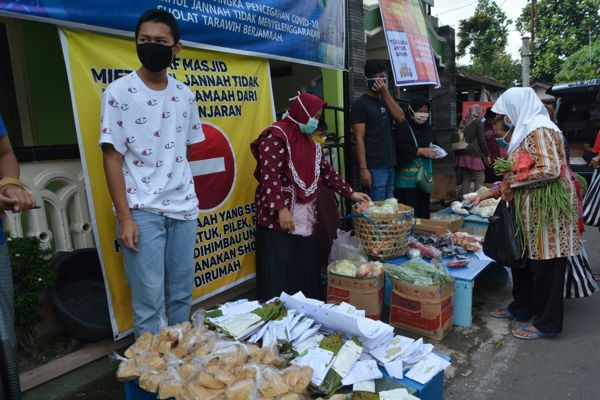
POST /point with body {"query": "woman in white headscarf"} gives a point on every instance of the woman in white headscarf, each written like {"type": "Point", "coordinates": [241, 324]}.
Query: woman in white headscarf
{"type": "Point", "coordinates": [545, 199]}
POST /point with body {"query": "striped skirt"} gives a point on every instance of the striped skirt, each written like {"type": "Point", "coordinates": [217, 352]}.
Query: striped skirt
{"type": "Point", "coordinates": [579, 281]}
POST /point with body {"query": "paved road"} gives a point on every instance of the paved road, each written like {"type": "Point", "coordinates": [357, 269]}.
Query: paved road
{"type": "Point", "coordinates": [496, 366]}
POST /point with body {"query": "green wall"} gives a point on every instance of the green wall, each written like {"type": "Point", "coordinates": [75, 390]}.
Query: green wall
{"type": "Point", "coordinates": [48, 87]}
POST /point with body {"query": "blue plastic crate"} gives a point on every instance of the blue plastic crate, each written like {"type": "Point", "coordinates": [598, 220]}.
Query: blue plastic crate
{"type": "Point", "coordinates": [134, 392]}
{"type": "Point", "coordinates": [432, 390]}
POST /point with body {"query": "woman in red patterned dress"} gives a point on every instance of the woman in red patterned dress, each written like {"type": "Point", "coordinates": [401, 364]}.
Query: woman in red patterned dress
{"type": "Point", "coordinates": [290, 166]}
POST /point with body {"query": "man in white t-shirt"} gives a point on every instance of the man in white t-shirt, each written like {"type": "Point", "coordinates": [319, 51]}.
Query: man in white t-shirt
{"type": "Point", "coordinates": [149, 120]}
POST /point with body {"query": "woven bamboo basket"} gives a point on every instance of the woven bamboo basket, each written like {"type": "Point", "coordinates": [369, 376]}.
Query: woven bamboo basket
{"type": "Point", "coordinates": [384, 236]}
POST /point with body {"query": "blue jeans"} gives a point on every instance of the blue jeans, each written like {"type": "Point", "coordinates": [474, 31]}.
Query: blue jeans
{"type": "Point", "coordinates": [161, 274]}
{"type": "Point", "coordinates": [382, 183]}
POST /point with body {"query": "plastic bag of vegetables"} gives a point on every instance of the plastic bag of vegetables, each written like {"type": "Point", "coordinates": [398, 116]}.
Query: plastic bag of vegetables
{"type": "Point", "coordinates": [418, 272]}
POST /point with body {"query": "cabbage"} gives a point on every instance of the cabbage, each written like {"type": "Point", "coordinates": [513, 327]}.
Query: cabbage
{"type": "Point", "coordinates": [344, 268]}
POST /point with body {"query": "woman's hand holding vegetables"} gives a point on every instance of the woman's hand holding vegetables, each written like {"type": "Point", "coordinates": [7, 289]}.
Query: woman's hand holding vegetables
{"type": "Point", "coordinates": [426, 152]}
{"type": "Point", "coordinates": [360, 197]}
{"type": "Point", "coordinates": [506, 191]}
{"type": "Point", "coordinates": [286, 221]}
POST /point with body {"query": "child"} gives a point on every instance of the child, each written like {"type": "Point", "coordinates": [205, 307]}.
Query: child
{"type": "Point", "coordinates": [149, 120]}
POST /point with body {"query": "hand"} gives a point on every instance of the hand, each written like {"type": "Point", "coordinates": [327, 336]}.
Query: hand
{"type": "Point", "coordinates": [380, 87]}
{"type": "Point", "coordinates": [360, 197]}
{"type": "Point", "coordinates": [595, 162]}
{"type": "Point", "coordinates": [488, 160]}
{"type": "Point", "coordinates": [20, 200]}
{"type": "Point", "coordinates": [286, 221]}
{"type": "Point", "coordinates": [426, 152]}
{"type": "Point", "coordinates": [365, 178]}
{"type": "Point", "coordinates": [474, 201]}
{"type": "Point", "coordinates": [129, 234]}
{"type": "Point", "coordinates": [506, 191]}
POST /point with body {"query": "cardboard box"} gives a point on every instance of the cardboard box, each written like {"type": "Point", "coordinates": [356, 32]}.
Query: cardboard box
{"type": "Point", "coordinates": [454, 221]}
{"type": "Point", "coordinates": [363, 293]}
{"type": "Point", "coordinates": [426, 310]}
{"type": "Point", "coordinates": [431, 227]}
{"type": "Point", "coordinates": [444, 188]}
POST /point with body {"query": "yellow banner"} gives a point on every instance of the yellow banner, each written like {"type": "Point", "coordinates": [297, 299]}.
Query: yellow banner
{"type": "Point", "coordinates": [235, 103]}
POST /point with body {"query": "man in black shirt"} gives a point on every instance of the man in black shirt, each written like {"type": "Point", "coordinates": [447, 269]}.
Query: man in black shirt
{"type": "Point", "coordinates": [372, 116]}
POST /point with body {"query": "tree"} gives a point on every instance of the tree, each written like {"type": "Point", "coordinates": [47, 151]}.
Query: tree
{"type": "Point", "coordinates": [562, 27]}
{"type": "Point", "coordinates": [577, 66]}
{"type": "Point", "coordinates": [485, 34]}
{"type": "Point", "coordinates": [504, 69]}
{"type": "Point", "coordinates": [484, 37]}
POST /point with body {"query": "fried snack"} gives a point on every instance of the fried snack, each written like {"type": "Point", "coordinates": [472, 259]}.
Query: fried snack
{"type": "Point", "coordinates": [187, 370]}
{"type": "Point", "coordinates": [290, 396]}
{"type": "Point", "coordinates": [208, 342]}
{"type": "Point", "coordinates": [253, 351]}
{"type": "Point", "coordinates": [297, 378]}
{"type": "Point", "coordinates": [193, 391]}
{"type": "Point", "coordinates": [150, 381]}
{"type": "Point", "coordinates": [190, 340]}
{"type": "Point", "coordinates": [170, 388]}
{"type": "Point", "coordinates": [271, 384]}
{"type": "Point", "coordinates": [247, 371]}
{"type": "Point", "coordinates": [127, 371]}
{"type": "Point", "coordinates": [233, 356]}
{"type": "Point", "coordinates": [150, 362]}
{"type": "Point", "coordinates": [174, 333]}
{"type": "Point", "coordinates": [241, 390]}
{"type": "Point", "coordinates": [142, 344]}
{"type": "Point", "coordinates": [205, 379]}
{"type": "Point", "coordinates": [221, 374]}
{"type": "Point", "coordinates": [160, 346]}
{"type": "Point", "coordinates": [270, 356]}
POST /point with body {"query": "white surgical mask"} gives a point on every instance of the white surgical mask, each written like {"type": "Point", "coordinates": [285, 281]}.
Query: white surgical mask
{"type": "Point", "coordinates": [419, 117]}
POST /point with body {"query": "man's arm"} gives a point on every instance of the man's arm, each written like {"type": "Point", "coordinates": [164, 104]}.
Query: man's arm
{"type": "Point", "coordinates": [12, 197]}
{"type": "Point", "coordinates": [113, 162]}
{"type": "Point", "coordinates": [395, 110]}
{"type": "Point", "coordinates": [361, 154]}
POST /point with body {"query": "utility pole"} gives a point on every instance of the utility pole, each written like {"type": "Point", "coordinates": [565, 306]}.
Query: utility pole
{"type": "Point", "coordinates": [533, 26]}
{"type": "Point", "coordinates": [525, 58]}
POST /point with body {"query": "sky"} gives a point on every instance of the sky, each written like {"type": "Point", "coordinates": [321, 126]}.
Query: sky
{"type": "Point", "coordinates": [450, 12]}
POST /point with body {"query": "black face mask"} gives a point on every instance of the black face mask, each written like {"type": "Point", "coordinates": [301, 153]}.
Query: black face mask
{"type": "Point", "coordinates": [155, 57]}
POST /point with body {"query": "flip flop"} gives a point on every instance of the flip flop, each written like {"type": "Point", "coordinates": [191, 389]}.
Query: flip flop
{"type": "Point", "coordinates": [526, 333]}
{"type": "Point", "coordinates": [504, 313]}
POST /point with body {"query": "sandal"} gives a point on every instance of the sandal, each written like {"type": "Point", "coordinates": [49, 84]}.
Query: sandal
{"type": "Point", "coordinates": [504, 313]}
{"type": "Point", "coordinates": [530, 332]}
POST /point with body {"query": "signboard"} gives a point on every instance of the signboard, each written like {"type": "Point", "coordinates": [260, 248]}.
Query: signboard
{"type": "Point", "coordinates": [308, 31]}
{"type": "Point", "coordinates": [408, 44]}
{"type": "Point", "coordinates": [235, 104]}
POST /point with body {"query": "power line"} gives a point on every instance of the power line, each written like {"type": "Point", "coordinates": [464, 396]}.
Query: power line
{"type": "Point", "coordinates": [457, 8]}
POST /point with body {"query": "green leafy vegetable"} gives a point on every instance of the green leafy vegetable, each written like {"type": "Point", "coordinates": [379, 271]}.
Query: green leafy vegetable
{"type": "Point", "coordinates": [418, 273]}
{"type": "Point", "coordinates": [547, 204]}
{"type": "Point", "coordinates": [502, 166]}
{"type": "Point", "coordinates": [272, 311]}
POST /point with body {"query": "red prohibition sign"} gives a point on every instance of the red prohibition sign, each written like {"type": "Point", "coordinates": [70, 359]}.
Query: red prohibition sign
{"type": "Point", "coordinates": [212, 162]}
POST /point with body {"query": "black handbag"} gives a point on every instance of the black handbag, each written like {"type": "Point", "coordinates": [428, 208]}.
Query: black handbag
{"type": "Point", "coordinates": [502, 242]}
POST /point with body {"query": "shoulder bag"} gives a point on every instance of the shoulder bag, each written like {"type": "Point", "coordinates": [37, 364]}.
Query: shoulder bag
{"type": "Point", "coordinates": [424, 180]}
